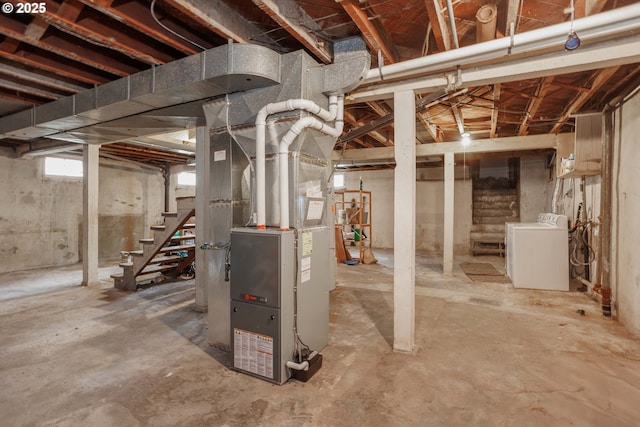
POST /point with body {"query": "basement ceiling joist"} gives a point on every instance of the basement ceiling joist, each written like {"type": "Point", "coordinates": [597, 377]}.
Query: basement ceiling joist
{"type": "Point", "coordinates": [74, 45]}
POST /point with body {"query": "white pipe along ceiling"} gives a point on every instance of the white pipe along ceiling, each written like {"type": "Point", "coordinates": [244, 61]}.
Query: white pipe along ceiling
{"type": "Point", "coordinates": [614, 23]}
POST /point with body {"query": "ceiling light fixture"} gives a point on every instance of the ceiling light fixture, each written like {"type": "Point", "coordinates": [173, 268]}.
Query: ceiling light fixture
{"type": "Point", "coordinates": [466, 140]}
{"type": "Point", "coordinates": [573, 41]}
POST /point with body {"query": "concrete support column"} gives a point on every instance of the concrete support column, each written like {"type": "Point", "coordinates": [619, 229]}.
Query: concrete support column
{"type": "Point", "coordinates": [404, 221]}
{"type": "Point", "coordinates": [449, 180]}
{"type": "Point", "coordinates": [202, 189]}
{"type": "Point", "coordinates": [90, 188]}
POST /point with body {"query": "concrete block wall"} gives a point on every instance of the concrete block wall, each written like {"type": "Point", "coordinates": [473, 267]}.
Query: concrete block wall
{"type": "Point", "coordinates": [429, 209]}
{"type": "Point", "coordinates": [535, 197]}
{"type": "Point", "coordinates": [41, 217]}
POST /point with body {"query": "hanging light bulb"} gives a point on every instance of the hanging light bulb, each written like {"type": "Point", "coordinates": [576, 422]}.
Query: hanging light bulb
{"type": "Point", "coordinates": [466, 139]}
{"type": "Point", "coordinates": [573, 41]}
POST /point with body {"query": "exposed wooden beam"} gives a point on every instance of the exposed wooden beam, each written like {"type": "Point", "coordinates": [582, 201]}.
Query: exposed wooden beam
{"type": "Point", "coordinates": [534, 104]}
{"type": "Point", "coordinates": [424, 119]}
{"type": "Point", "coordinates": [379, 108]}
{"type": "Point", "coordinates": [599, 79]}
{"type": "Point", "coordinates": [495, 111]}
{"type": "Point", "coordinates": [70, 51]}
{"type": "Point", "coordinates": [571, 87]}
{"type": "Point", "coordinates": [144, 24]}
{"type": "Point", "coordinates": [459, 118]}
{"type": "Point", "coordinates": [221, 19]}
{"type": "Point", "coordinates": [21, 98]}
{"type": "Point", "coordinates": [588, 7]}
{"type": "Point", "coordinates": [301, 26]}
{"type": "Point", "coordinates": [372, 30]}
{"type": "Point", "coordinates": [103, 35]}
{"type": "Point", "coordinates": [18, 87]}
{"type": "Point", "coordinates": [59, 68]}
{"type": "Point", "coordinates": [39, 79]}
{"type": "Point", "coordinates": [513, 8]}
{"type": "Point", "coordinates": [349, 118]}
{"type": "Point", "coordinates": [516, 143]}
{"type": "Point", "coordinates": [441, 33]}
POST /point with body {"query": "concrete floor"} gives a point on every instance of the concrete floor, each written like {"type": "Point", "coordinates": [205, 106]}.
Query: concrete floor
{"type": "Point", "coordinates": [487, 355]}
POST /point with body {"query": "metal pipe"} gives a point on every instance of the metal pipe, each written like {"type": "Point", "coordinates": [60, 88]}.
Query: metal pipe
{"type": "Point", "coordinates": [287, 140]}
{"type": "Point", "coordinates": [452, 23]}
{"type": "Point", "coordinates": [617, 21]}
{"type": "Point", "coordinates": [604, 260]}
{"type": "Point", "coordinates": [261, 122]}
{"type": "Point", "coordinates": [486, 19]}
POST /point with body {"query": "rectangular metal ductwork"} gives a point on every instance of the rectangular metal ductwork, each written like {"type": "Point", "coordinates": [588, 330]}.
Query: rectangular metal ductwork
{"type": "Point", "coordinates": [215, 72]}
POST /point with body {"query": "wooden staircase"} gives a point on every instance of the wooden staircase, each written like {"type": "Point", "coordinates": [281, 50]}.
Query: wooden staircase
{"type": "Point", "coordinates": [169, 251]}
{"type": "Point", "coordinates": [491, 209]}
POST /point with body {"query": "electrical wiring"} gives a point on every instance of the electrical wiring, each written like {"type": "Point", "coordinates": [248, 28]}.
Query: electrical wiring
{"type": "Point", "coordinates": [579, 239]}
{"type": "Point", "coordinates": [155, 18]}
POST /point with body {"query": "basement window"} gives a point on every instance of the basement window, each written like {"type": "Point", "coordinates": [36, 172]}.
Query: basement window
{"type": "Point", "coordinates": [338, 180]}
{"type": "Point", "coordinates": [56, 166]}
{"type": "Point", "coordinates": [187, 178]}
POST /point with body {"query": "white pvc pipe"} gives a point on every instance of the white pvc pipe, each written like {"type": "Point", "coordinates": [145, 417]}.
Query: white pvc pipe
{"type": "Point", "coordinates": [275, 195]}
{"type": "Point", "coordinates": [283, 152]}
{"type": "Point", "coordinates": [452, 24]}
{"type": "Point", "coordinates": [304, 366]}
{"type": "Point", "coordinates": [261, 120]}
{"type": "Point", "coordinates": [616, 21]}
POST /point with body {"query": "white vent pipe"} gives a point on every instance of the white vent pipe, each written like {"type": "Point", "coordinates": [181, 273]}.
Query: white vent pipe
{"type": "Point", "coordinates": [261, 121]}
{"type": "Point", "coordinates": [604, 24]}
{"type": "Point", "coordinates": [304, 366]}
{"type": "Point", "coordinates": [283, 153]}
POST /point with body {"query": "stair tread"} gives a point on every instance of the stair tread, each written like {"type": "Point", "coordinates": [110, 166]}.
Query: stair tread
{"type": "Point", "coordinates": [166, 258]}
{"type": "Point", "coordinates": [486, 236]}
{"type": "Point", "coordinates": [155, 268]}
{"type": "Point", "coordinates": [137, 253]}
{"type": "Point", "coordinates": [117, 276]}
{"type": "Point", "coordinates": [158, 227]}
{"type": "Point", "coordinates": [169, 214]}
{"type": "Point", "coordinates": [184, 237]}
{"type": "Point", "coordinates": [177, 248]}
{"type": "Point", "coordinates": [496, 251]}
{"type": "Point", "coordinates": [147, 240]}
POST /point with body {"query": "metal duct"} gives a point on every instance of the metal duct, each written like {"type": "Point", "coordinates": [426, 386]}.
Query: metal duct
{"type": "Point", "coordinates": [122, 103]}
{"type": "Point", "coordinates": [486, 18]}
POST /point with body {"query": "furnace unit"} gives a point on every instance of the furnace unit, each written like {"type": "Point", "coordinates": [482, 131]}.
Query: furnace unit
{"type": "Point", "coordinates": [263, 168]}
{"type": "Point", "coordinates": [279, 299]}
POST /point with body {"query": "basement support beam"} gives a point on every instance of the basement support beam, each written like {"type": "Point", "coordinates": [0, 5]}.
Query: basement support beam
{"type": "Point", "coordinates": [449, 192]}
{"type": "Point", "coordinates": [514, 143]}
{"type": "Point", "coordinates": [202, 225]}
{"type": "Point", "coordinates": [90, 191]}
{"type": "Point", "coordinates": [404, 222]}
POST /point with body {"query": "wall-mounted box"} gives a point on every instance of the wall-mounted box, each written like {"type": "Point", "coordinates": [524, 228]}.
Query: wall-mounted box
{"type": "Point", "coordinates": [586, 148]}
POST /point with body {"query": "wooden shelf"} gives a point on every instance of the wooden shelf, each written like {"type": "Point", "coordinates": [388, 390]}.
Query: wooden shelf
{"type": "Point", "coordinates": [357, 207]}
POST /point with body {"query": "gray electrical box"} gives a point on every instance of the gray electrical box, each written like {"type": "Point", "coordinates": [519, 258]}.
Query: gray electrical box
{"type": "Point", "coordinates": [273, 274]}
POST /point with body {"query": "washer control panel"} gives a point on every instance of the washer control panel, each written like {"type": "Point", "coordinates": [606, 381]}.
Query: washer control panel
{"type": "Point", "coordinates": [553, 220]}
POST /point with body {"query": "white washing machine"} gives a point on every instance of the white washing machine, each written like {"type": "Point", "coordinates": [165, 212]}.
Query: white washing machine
{"type": "Point", "coordinates": [537, 253]}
